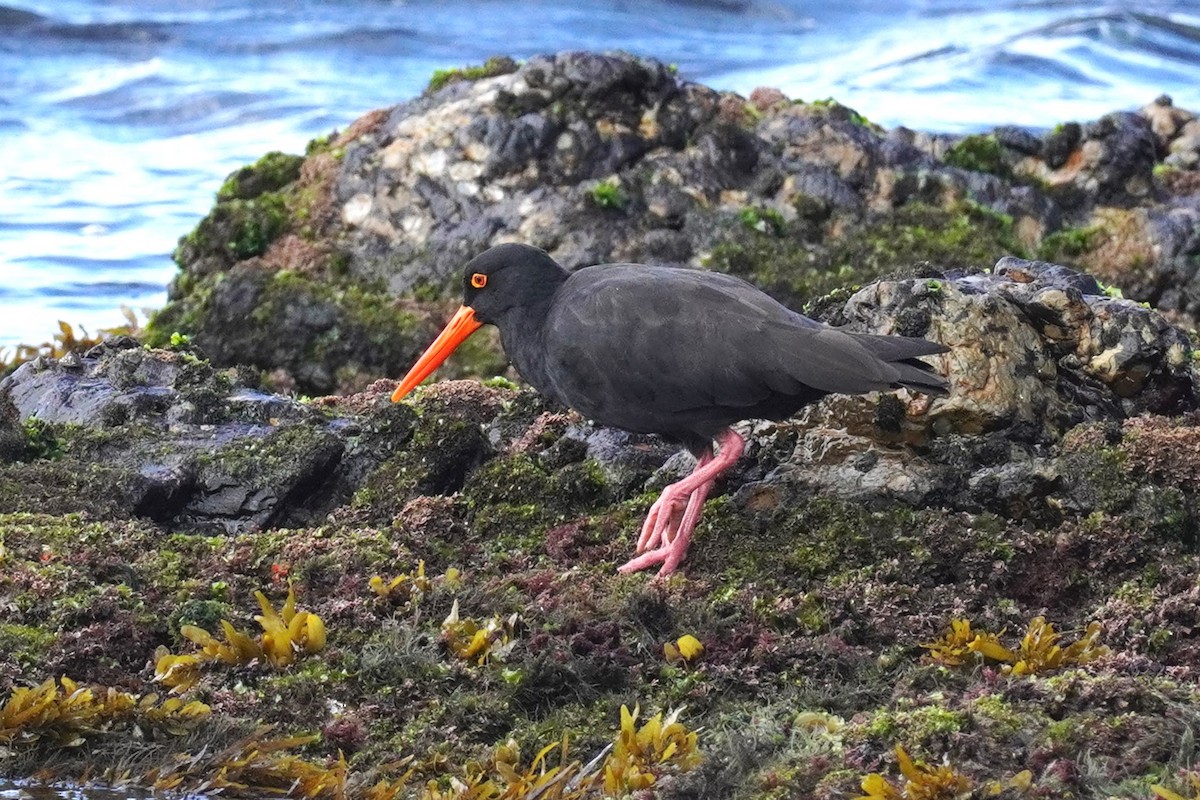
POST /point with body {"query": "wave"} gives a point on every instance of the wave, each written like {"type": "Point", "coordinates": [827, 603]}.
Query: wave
{"type": "Point", "coordinates": [18, 17]}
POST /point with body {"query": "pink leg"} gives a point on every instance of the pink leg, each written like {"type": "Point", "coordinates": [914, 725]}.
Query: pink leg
{"type": "Point", "coordinates": [654, 535]}
{"type": "Point", "coordinates": [669, 540]}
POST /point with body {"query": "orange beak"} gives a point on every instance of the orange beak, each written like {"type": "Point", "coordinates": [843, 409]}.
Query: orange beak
{"type": "Point", "coordinates": [462, 325]}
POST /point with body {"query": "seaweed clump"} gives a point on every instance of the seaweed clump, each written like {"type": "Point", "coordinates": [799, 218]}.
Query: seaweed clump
{"type": "Point", "coordinates": [929, 782]}
{"type": "Point", "coordinates": [470, 640]}
{"type": "Point", "coordinates": [1039, 650]}
{"type": "Point", "coordinates": [633, 762]}
{"type": "Point", "coordinates": [64, 712]}
{"type": "Point", "coordinates": [66, 341]}
{"type": "Point", "coordinates": [286, 633]}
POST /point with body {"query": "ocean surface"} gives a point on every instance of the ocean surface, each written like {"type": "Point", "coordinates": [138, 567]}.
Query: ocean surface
{"type": "Point", "coordinates": [120, 119]}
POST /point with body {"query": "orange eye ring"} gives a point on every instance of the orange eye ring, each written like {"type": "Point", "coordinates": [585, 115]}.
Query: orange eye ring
{"type": "Point", "coordinates": [479, 280]}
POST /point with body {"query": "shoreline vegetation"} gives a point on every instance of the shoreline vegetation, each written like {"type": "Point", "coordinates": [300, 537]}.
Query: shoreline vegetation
{"type": "Point", "coordinates": [228, 563]}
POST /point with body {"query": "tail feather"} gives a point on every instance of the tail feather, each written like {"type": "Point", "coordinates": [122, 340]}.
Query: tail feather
{"type": "Point", "coordinates": [920, 377]}
{"type": "Point", "coordinates": [904, 353]}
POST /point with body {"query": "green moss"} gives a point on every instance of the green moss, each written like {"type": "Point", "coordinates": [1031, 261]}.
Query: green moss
{"type": "Point", "coordinates": [831, 105]}
{"type": "Point", "coordinates": [763, 220]}
{"type": "Point", "coordinates": [271, 460]}
{"type": "Point", "coordinates": [42, 439]}
{"type": "Point", "coordinates": [795, 271]}
{"type": "Point", "coordinates": [1000, 717]}
{"type": "Point", "coordinates": [318, 144]}
{"type": "Point", "coordinates": [978, 153]}
{"type": "Point", "coordinates": [258, 223]}
{"type": "Point", "coordinates": [500, 382]}
{"type": "Point", "coordinates": [1101, 480]}
{"type": "Point", "coordinates": [1158, 639]}
{"type": "Point", "coordinates": [24, 644]}
{"type": "Point", "coordinates": [609, 195]}
{"type": "Point", "coordinates": [307, 682]}
{"type": "Point", "coordinates": [808, 613]}
{"type": "Point", "coordinates": [512, 527]}
{"type": "Point", "coordinates": [513, 498]}
{"type": "Point", "coordinates": [433, 455]}
{"type": "Point", "coordinates": [66, 486]}
{"type": "Point", "coordinates": [206, 614]}
{"type": "Point", "coordinates": [270, 173]}
{"type": "Point", "coordinates": [920, 724]}
{"type": "Point", "coordinates": [496, 65]}
{"type": "Point", "coordinates": [183, 316]}
{"type": "Point", "coordinates": [1067, 244]}
{"type": "Point", "coordinates": [1063, 732]}
{"type": "Point", "coordinates": [236, 229]}
{"type": "Point", "coordinates": [833, 536]}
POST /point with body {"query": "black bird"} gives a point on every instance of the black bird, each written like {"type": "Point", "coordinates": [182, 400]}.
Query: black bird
{"type": "Point", "coordinates": [678, 352]}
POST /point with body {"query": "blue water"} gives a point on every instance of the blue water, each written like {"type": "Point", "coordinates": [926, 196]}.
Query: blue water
{"type": "Point", "coordinates": [119, 119]}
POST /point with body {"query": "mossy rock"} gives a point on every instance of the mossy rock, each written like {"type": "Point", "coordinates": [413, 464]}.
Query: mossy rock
{"type": "Point", "coordinates": [900, 244]}
{"type": "Point", "coordinates": [270, 173]}
{"type": "Point", "coordinates": [496, 65]}
{"type": "Point", "coordinates": [514, 499]}
{"type": "Point", "coordinates": [326, 334]}
{"type": "Point", "coordinates": [979, 152]}
{"type": "Point", "coordinates": [235, 230]}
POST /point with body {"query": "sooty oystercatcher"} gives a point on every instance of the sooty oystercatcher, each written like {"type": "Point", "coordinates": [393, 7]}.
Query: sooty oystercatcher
{"type": "Point", "coordinates": [678, 352]}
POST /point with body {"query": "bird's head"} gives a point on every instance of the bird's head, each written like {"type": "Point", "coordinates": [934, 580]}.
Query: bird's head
{"type": "Point", "coordinates": [504, 278]}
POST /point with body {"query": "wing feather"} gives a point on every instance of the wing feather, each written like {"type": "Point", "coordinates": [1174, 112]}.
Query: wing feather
{"type": "Point", "coordinates": [635, 346]}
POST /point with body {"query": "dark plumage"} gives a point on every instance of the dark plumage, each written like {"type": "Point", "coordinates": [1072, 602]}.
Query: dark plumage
{"type": "Point", "coordinates": [678, 352]}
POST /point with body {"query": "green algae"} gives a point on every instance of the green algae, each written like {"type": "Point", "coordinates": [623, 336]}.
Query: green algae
{"type": "Point", "coordinates": [42, 439]}
{"type": "Point", "coordinates": [1067, 244]}
{"type": "Point", "coordinates": [978, 153]}
{"type": "Point", "coordinates": [763, 220]}
{"type": "Point", "coordinates": [920, 724]}
{"type": "Point", "coordinates": [270, 460]}
{"type": "Point", "coordinates": [609, 195]}
{"type": "Point", "coordinates": [25, 645]}
{"type": "Point", "coordinates": [254, 206]}
{"type": "Point", "coordinates": [787, 265]}
{"type": "Point", "coordinates": [496, 65]}
{"type": "Point", "coordinates": [1002, 718]}
{"type": "Point", "coordinates": [206, 614]}
{"type": "Point", "coordinates": [832, 106]}
{"type": "Point", "coordinates": [272, 172]}
{"type": "Point", "coordinates": [65, 486]}
{"type": "Point", "coordinates": [236, 229]}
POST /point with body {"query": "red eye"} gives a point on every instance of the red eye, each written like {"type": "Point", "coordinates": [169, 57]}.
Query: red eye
{"type": "Point", "coordinates": [479, 280]}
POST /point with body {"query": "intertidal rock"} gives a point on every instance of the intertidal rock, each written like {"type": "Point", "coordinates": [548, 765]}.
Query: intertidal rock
{"type": "Point", "coordinates": [331, 271]}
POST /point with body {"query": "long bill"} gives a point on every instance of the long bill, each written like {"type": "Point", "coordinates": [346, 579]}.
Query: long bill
{"type": "Point", "coordinates": [460, 326]}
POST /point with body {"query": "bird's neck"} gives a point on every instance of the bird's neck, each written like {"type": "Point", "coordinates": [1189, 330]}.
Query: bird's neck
{"type": "Point", "coordinates": [522, 331]}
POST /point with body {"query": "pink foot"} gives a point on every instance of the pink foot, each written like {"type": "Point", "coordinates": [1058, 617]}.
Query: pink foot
{"type": "Point", "coordinates": [666, 533]}
{"type": "Point", "coordinates": [663, 519]}
{"type": "Point", "coordinates": [675, 541]}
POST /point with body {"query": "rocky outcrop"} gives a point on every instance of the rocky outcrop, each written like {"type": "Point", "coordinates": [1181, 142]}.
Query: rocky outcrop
{"type": "Point", "coordinates": [1036, 349]}
{"type": "Point", "coordinates": [326, 271]}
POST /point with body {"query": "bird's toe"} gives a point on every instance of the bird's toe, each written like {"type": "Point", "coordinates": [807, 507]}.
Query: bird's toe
{"type": "Point", "coordinates": [643, 561]}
